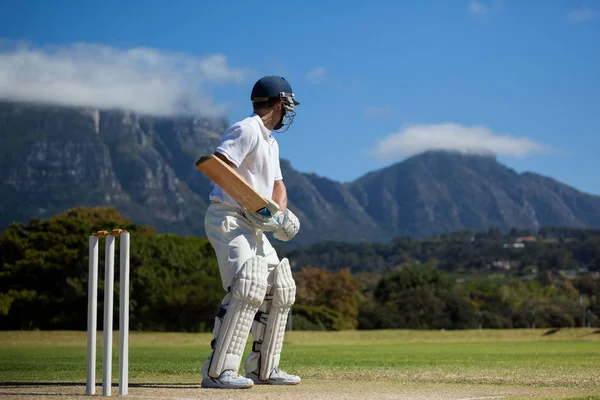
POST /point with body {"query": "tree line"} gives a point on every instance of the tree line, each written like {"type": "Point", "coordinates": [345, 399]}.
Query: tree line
{"type": "Point", "coordinates": [549, 249]}
{"type": "Point", "coordinates": [404, 284]}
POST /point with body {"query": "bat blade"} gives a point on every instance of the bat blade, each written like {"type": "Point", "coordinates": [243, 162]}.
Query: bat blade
{"type": "Point", "coordinates": [231, 182]}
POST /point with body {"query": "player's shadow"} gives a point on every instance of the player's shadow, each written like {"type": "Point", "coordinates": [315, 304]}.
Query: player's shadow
{"type": "Point", "coordinates": [33, 385]}
{"type": "Point", "coordinates": [166, 385]}
{"type": "Point", "coordinates": [146, 385]}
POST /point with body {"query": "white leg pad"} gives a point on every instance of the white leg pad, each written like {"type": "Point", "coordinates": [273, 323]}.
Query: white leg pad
{"type": "Point", "coordinates": [247, 293]}
{"type": "Point", "coordinates": [284, 296]}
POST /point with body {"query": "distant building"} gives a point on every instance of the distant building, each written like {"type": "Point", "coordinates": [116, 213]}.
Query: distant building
{"type": "Point", "coordinates": [501, 264]}
{"type": "Point", "coordinates": [515, 245]}
{"type": "Point", "coordinates": [522, 239]}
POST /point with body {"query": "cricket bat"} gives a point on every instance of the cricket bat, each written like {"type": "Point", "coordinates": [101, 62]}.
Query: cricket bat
{"type": "Point", "coordinates": [234, 185]}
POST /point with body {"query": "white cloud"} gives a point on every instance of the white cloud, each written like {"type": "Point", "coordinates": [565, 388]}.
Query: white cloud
{"type": "Point", "coordinates": [143, 80]}
{"type": "Point", "coordinates": [477, 8]}
{"type": "Point", "coordinates": [316, 75]}
{"type": "Point", "coordinates": [379, 111]}
{"type": "Point", "coordinates": [581, 14]}
{"type": "Point", "coordinates": [484, 7]}
{"type": "Point", "coordinates": [415, 139]}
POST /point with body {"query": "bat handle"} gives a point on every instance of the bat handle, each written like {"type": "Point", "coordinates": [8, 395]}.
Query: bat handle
{"type": "Point", "coordinates": [272, 206]}
{"type": "Point", "coordinates": [265, 211]}
{"type": "Point", "coordinates": [270, 209]}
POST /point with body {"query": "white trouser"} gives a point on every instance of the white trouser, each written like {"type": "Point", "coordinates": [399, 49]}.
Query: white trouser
{"type": "Point", "coordinates": [235, 241]}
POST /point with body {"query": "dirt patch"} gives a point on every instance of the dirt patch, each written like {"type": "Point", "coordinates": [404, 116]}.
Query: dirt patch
{"type": "Point", "coordinates": [310, 390]}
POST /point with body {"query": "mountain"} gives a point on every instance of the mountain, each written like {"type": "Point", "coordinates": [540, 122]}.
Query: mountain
{"type": "Point", "coordinates": [438, 192]}
{"type": "Point", "coordinates": [327, 209]}
{"type": "Point", "coordinates": [54, 158]}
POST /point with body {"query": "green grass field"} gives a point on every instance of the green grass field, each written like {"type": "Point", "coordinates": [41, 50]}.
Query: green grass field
{"type": "Point", "coordinates": [515, 364]}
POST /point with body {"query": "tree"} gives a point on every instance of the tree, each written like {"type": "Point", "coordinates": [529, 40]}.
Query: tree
{"type": "Point", "coordinates": [329, 300]}
{"type": "Point", "coordinates": [175, 282]}
{"type": "Point", "coordinates": [419, 298]}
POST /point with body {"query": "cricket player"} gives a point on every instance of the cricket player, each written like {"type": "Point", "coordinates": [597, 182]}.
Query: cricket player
{"type": "Point", "coordinates": [260, 287]}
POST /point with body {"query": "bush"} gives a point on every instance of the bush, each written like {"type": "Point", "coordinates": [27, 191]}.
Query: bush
{"type": "Point", "coordinates": [494, 321]}
{"type": "Point", "coordinates": [554, 318]}
{"type": "Point", "coordinates": [318, 317]}
{"type": "Point", "coordinates": [328, 298]}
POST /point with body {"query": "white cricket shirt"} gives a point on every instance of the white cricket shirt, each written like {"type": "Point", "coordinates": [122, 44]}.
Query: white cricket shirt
{"type": "Point", "coordinates": [252, 148]}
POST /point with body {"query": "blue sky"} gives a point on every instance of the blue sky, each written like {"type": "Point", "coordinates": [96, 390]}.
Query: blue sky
{"type": "Point", "coordinates": [378, 80]}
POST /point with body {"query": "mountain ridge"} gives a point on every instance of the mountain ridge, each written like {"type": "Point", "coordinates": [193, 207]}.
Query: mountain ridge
{"type": "Point", "coordinates": [55, 157]}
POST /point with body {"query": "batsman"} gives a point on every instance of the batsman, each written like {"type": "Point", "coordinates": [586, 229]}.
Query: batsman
{"type": "Point", "coordinates": [260, 287]}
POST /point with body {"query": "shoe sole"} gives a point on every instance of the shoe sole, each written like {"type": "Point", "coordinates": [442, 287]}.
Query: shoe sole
{"type": "Point", "coordinates": [208, 383]}
{"type": "Point", "coordinates": [270, 382]}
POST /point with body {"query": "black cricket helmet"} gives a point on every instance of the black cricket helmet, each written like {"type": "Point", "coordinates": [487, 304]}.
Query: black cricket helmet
{"type": "Point", "coordinates": [273, 86]}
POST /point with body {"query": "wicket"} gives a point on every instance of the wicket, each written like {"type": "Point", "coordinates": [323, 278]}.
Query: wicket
{"type": "Point", "coordinates": [108, 312]}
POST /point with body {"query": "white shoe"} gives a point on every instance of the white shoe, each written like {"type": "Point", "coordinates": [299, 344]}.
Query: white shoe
{"type": "Point", "coordinates": [278, 377]}
{"type": "Point", "coordinates": [227, 380]}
